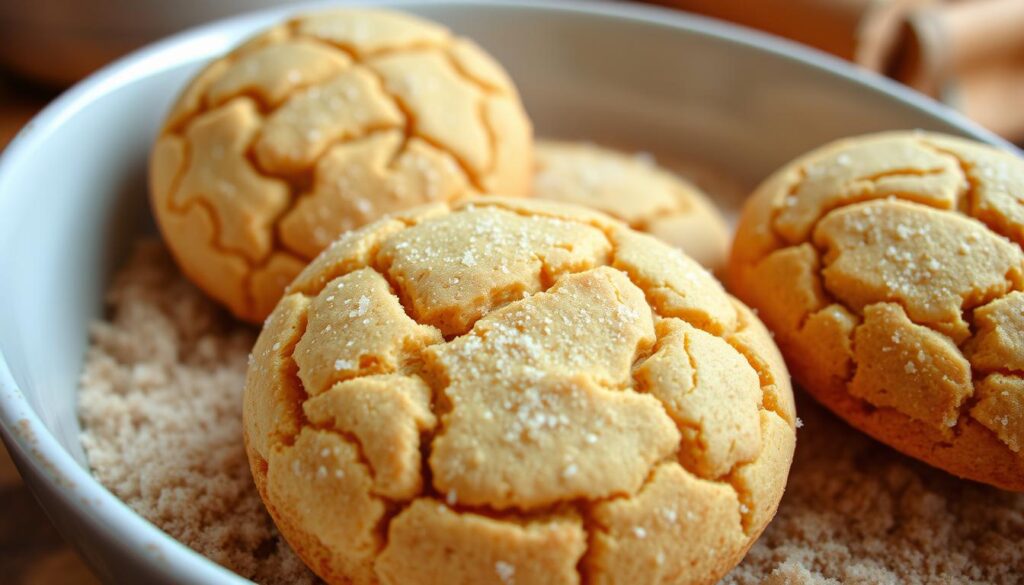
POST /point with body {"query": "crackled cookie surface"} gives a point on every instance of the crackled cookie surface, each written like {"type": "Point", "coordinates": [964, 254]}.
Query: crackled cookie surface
{"type": "Point", "coordinates": [890, 269]}
{"type": "Point", "coordinates": [633, 189]}
{"type": "Point", "coordinates": [508, 391]}
{"type": "Point", "coordinates": [321, 125]}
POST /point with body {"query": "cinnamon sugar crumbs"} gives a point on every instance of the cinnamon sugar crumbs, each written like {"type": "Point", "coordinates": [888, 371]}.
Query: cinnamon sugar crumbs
{"type": "Point", "coordinates": [161, 409]}
{"type": "Point", "coordinates": [161, 403]}
{"type": "Point", "coordinates": [856, 511]}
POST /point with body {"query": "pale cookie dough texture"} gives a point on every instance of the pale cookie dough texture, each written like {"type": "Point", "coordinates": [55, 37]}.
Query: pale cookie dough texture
{"type": "Point", "coordinates": [515, 391]}
{"type": "Point", "coordinates": [321, 125]}
{"type": "Point", "coordinates": [633, 189]}
{"type": "Point", "coordinates": [890, 269]}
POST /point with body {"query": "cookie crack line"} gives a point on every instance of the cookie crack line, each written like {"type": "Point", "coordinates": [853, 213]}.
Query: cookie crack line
{"type": "Point", "coordinates": [384, 271]}
{"type": "Point", "coordinates": [294, 183]}
{"type": "Point", "coordinates": [1004, 371]}
{"type": "Point", "coordinates": [251, 267]}
{"type": "Point", "coordinates": [259, 102]}
{"type": "Point", "coordinates": [827, 297]}
{"type": "Point", "coordinates": [294, 24]}
{"type": "Point", "coordinates": [726, 478]}
{"type": "Point", "coordinates": [901, 172]}
{"type": "Point", "coordinates": [776, 211]}
{"type": "Point", "coordinates": [966, 305]}
{"type": "Point", "coordinates": [215, 244]}
{"type": "Point", "coordinates": [298, 196]}
{"type": "Point", "coordinates": [411, 118]}
{"type": "Point", "coordinates": [969, 198]}
{"type": "Point", "coordinates": [854, 364]}
{"type": "Point", "coordinates": [605, 231]}
{"type": "Point", "coordinates": [643, 223]}
{"type": "Point", "coordinates": [278, 439]}
{"type": "Point", "coordinates": [590, 529]}
{"type": "Point", "coordinates": [826, 210]}
{"type": "Point", "coordinates": [594, 527]}
{"type": "Point", "coordinates": [392, 507]}
{"type": "Point", "coordinates": [179, 175]}
{"type": "Point", "coordinates": [467, 75]}
{"type": "Point", "coordinates": [546, 281]}
{"type": "Point", "coordinates": [578, 505]}
{"type": "Point", "coordinates": [361, 458]}
{"type": "Point", "coordinates": [765, 380]}
{"type": "Point", "coordinates": [227, 60]}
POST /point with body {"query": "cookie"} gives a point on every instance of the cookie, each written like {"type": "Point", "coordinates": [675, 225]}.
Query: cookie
{"type": "Point", "coordinates": [633, 189]}
{"type": "Point", "coordinates": [321, 125]}
{"type": "Point", "coordinates": [890, 269]}
{"type": "Point", "coordinates": [515, 391]}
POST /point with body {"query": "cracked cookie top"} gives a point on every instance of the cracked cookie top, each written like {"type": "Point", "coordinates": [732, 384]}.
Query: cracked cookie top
{"type": "Point", "coordinates": [504, 390]}
{"type": "Point", "coordinates": [890, 268]}
{"type": "Point", "coordinates": [321, 125]}
{"type": "Point", "coordinates": [633, 189]}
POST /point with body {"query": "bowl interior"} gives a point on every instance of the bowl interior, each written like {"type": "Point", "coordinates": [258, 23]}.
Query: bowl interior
{"type": "Point", "coordinates": [73, 191]}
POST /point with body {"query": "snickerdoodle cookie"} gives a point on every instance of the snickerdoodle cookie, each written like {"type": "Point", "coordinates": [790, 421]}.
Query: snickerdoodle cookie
{"type": "Point", "coordinates": [890, 269]}
{"type": "Point", "coordinates": [632, 188]}
{"type": "Point", "coordinates": [515, 391]}
{"type": "Point", "coordinates": [320, 125]}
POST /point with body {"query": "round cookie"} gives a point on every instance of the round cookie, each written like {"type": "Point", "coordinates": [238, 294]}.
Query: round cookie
{"type": "Point", "coordinates": [515, 391]}
{"type": "Point", "coordinates": [889, 267]}
{"type": "Point", "coordinates": [321, 125]}
{"type": "Point", "coordinates": [633, 189]}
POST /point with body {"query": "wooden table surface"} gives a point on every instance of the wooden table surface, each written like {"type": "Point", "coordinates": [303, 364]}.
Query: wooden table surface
{"type": "Point", "coordinates": [31, 551]}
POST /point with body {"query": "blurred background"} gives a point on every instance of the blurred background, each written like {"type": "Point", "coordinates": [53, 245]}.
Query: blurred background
{"type": "Point", "coordinates": [968, 54]}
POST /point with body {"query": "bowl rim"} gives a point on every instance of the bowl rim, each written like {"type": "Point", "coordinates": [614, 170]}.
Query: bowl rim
{"type": "Point", "coordinates": [24, 433]}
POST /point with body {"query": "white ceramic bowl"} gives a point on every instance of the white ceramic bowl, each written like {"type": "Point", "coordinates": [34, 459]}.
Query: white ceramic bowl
{"type": "Point", "coordinates": [72, 191]}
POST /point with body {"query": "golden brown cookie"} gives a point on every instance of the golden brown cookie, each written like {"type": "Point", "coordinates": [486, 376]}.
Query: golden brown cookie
{"type": "Point", "coordinates": [318, 126]}
{"type": "Point", "coordinates": [890, 269]}
{"type": "Point", "coordinates": [515, 391]}
{"type": "Point", "coordinates": [633, 189]}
